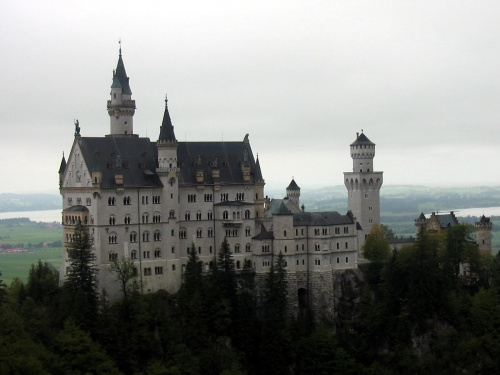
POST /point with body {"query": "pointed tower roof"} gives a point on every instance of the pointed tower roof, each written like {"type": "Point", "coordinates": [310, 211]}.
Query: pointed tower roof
{"type": "Point", "coordinates": [120, 78]}
{"type": "Point", "coordinates": [293, 185]}
{"type": "Point", "coordinates": [362, 139]}
{"type": "Point", "coordinates": [283, 210]}
{"type": "Point", "coordinates": [484, 219]}
{"type": "Point", "coordinates": [167, 129]}
{"type": "Point", "coordinates": [62, 168]}
{"type": "Point", "coordinates": [258, 173]}
{"type": "Point", "coordinates": [421, 217]}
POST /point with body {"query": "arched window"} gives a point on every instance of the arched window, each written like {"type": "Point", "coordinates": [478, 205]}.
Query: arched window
{"type": "Point", "coordinates": [225, 215]}
{"type": "Point", "coordinates": [133, 237]}
{"type": "Point", "coordinates": [145, 236]}
{"type": "Point", "coordinates": [247, 214]}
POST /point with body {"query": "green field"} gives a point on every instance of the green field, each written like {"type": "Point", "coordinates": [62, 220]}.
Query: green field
{"type": "Point", "coordinates": [18, 265]}
{"type": "Point", "coordinates": [25, 233]}
{"type": "Point", "coordinates": [29, 233]}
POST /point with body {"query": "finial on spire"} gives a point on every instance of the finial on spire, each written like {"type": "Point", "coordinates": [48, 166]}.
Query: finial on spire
{"type": "Point", "coordinates": [166, 100]}
{"type": "Point", "coordinates": [120, 43]}
{"type": "Point", "coordinates": [361, 130]}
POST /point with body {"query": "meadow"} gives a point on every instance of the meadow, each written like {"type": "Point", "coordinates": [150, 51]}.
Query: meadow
{"type": "Point", "coordinates": [24, 233]}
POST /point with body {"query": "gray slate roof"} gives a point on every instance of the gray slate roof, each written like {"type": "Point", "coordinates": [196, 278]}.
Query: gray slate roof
{"type": "Point", "coordinates": [447, 220]}
{"type": "Point", "coordinates": [136, 158]}
{"type": "Point", "coordinates": [133, 157]}
{"type": "Point", "coordinates": [362, 140]}
{"type": "Point", "coordinates": [120, 78]}
{"type": "Point", "coordinates": [205, 156]}
{"type": "Point", "coordinates": [62, 167]}
{"type": "Point", "coordinates": [264, 234]}
{"type": "Point", "coordinates": [322, 218]}
{"type": "Point", "coordinates": [293, 186]}
{"type": "Point", "coordinates": [167, 129]}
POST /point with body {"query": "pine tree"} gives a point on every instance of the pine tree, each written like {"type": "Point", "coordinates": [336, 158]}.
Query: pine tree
{"type": "Point", "coordinates": [225, 273]}
{"type": "Point", "coordinates": [2, 290]}
{"type": "Point", "coordinates": [275, 349]}
{"type": "Point", "coordinates": [80, 286]}
{"type": "Point", "coordinates": [43, 283]}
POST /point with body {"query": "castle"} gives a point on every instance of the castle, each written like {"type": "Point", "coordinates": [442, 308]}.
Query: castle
{"type": "Point", "coordinates": [150, 201]}
{"type": "Point", "coordinates": [437, 223]}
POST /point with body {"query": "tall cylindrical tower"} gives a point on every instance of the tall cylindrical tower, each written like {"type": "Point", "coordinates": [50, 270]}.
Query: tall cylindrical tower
{"type": "Point", "coordinates": [363, 186]}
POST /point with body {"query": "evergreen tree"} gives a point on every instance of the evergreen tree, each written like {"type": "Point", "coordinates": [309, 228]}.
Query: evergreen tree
{"type": "Point", "coordinates": [80, 286]}
{"type": "Point", "coordinates": [225, 276]}
{"type": "Point", "coordinates": [2, 290]}
{"type": "Point", "coordinates": [275, 348]}
{"type": "Point", "coordinates": [192, 304]}
{"type": "Point", "coordinates": [43, 283]}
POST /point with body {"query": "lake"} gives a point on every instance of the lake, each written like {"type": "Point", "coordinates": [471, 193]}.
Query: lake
{"type": "Point", "coordinates": [47, 216]}
{"type": "Point", "coordinates": [464, 212]}
{"type": "Point", "coordinates": [55, 215]}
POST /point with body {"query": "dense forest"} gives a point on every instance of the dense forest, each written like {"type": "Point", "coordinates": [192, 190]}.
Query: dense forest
{"type": "Point", "coordinates": [419, 313]}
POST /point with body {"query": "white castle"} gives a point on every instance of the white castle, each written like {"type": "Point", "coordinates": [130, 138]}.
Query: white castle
{"type": "Point", "coordinates": [150, 201]}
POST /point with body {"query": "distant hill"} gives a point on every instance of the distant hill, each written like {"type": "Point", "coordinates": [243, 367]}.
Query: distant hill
{"type": "Point", "coordinates": [29, 202]}
{"type": "Point", "coordinates": [394, 199]}
{"type": "Point", "coordinates": [403, 199]}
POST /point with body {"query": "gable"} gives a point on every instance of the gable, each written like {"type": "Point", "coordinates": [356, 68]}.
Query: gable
{"type": "Point", "coordinates": [77, 173]}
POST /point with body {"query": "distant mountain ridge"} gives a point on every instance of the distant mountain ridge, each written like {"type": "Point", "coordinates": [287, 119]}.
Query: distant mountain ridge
{"type": "Point", "coordinates": [10, 202]}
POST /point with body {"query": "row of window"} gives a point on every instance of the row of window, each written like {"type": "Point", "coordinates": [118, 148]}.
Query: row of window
{"type": "Point", "coordinates": [317, 247]}
{"type": "Point", "coordinates": [128, 200]}
{"type": "Point", "coordinates": [317, 262]}
{"type": "Point", "coordinates": [88, 201]}
{"type": "Point", "coordinates": [73, 220]}
{"type": "Point", "coordinates": [158, 271]}
{"type": "Point", "coordinates": [321, 231]}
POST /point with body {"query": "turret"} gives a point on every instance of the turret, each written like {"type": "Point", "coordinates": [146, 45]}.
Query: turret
{"type": "Point", "coordinates": [363, 185]}
{"type": "Point", "coordinates": [121, 107]}
{"type": "Point", "coordinates": [483, 234]}
{"type": "Point", "coordinates": [259, 195]}
{"type": "Point", "coordinates": [293, 192]}
{"type": "Point", "coordinates": [421, 222]}
{"type": "Point", "coordinates": [362, 154]}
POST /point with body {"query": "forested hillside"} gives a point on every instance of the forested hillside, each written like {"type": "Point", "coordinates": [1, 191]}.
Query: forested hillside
{"type": "Point", "coordinates": [418, 314]}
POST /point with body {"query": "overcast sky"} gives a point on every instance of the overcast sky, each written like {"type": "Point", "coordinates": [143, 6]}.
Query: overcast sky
{"type": "Point", "coordinates": [421, 78]}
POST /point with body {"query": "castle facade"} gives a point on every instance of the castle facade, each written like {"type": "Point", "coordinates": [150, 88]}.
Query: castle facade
{"type": "Point", "coordinates": [150, 201]}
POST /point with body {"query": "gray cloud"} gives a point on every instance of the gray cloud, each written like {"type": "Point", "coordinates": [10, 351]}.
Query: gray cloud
{"type": "Point", "coordinates": [421, 78]}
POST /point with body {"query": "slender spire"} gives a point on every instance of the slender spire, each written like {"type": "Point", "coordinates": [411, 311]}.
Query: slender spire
{"type": "Point", "coordinates": [258, 172]}
{"type": "Point", "coordinates": [120, 78]}
{"type": "Point", "coordinates": [167, 129]}
{"type": "Point", "coordinates": [62, 167]}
